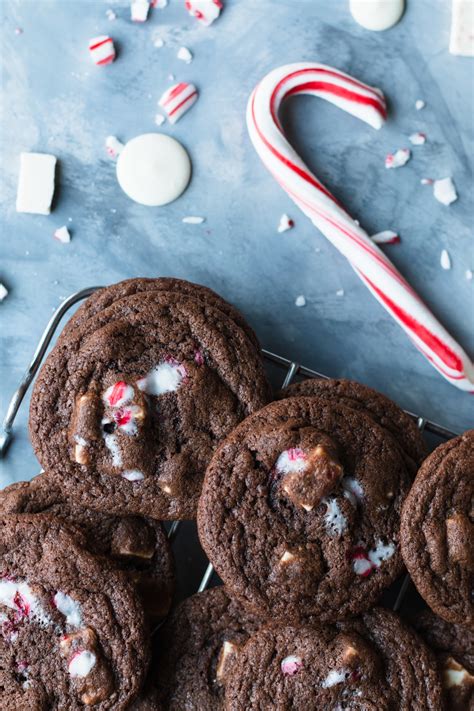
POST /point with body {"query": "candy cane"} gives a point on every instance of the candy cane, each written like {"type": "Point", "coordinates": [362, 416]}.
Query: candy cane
{"type": "Point", "coordinates": [328, 215]}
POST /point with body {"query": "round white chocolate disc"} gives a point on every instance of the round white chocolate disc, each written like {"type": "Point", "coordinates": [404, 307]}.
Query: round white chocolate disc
{"type": "Point", "coordinates": [377, 14]}
{"type": "Point", "coordinates": [153, 169]}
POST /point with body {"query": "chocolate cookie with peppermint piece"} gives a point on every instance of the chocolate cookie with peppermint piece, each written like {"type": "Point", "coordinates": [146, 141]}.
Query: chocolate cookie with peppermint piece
{"type": "Point", "coordinates": [453, 646]}
{"type": "Point", "coordinates": [300, 510]}
{"type": "Point", "coordinates": [136, 545]}
{"type": "Point", "coordinates": [373, 663]}
{"type": "Point", "coordinates": [197, 645]}
{"type": "Point", "coordinates": [130, 404]}
{"type": "Point", "coordinates": [378, 407]}
{"type": "Point", "coordinates": [72, 630]}
{"type": "Point", "coordinates": [437, 530]}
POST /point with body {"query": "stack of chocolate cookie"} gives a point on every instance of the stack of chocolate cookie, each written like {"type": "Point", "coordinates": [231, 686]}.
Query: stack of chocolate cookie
{"type": "Point", "coordinates": [153, 406]}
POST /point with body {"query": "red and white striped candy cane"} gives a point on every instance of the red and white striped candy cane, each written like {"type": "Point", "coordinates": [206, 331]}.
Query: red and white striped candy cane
{"type": "Point", "coordinates": [326, 213]}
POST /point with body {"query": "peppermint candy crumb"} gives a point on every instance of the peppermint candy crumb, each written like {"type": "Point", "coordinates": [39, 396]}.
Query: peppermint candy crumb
{"type": "Point", "coordinates": [300, 301]}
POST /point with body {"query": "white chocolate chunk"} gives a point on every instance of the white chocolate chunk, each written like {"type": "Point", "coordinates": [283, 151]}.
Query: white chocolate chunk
{"type": "Point", "coordinates": [36, 183]}
{"type": "Point", "coordinates": [461, 41]}
{"type": "Point", "coordinates": [333, 678]}
{"type": "Point", "coordinates": [164, 378]}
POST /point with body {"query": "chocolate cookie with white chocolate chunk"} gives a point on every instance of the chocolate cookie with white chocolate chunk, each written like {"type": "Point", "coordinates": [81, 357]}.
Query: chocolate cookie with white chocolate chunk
{"type": "Point", "coordinates": [131, 403]}
{"type": "Point", "coordinates": [437, 530]}
{"type": "Point", "coordinates": [197, 645]}
{"type": "Point", "coordinates": [300, 510]}
{"type": "Point", "coordinates": [73, 633]}
{"type": "Point", "coordinates": [136, 545]}
{"type": "Point", "coordinates": [453, 646]}
{"type": "Point", "coordinates": [374, 663]}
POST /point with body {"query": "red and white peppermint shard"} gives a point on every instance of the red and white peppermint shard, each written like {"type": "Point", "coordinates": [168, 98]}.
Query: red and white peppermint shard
{"type": "Point", "coordinates": [102, 50]}
{"type": "Point", "coordinates": [177, 100]}
{"type": "Point", "coordinates": [327, 214]}
{"type": "Point", "coordinates": [206, 11]}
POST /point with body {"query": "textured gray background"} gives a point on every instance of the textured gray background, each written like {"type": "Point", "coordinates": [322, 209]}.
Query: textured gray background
{"type": "Point", "coordinates": [55, 100]}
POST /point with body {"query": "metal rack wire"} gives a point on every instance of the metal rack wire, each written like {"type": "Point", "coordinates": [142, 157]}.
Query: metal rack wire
{"type": "Point", "coordinates": [290, 368]}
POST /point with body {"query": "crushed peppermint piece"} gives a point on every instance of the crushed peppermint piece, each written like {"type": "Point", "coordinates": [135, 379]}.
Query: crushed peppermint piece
{"type": "Point", "coordinates": [185, 55]}
{"type": "Point", "coordinates": [133, 475]}
{"type": "Point", "coordinates": [62, 234]}
{"type": "Point", "coordinates": [158, 42]}
{"type": "Point", "coordinates": [380, 553]}
{"type": "Point", "coordinates": [300, 300]}
{"type": "Point", "coordinates": [191, 220]}
{"type": "Point", "coordinates": [110, 14]}
{"type": "Point", "coordinates": [427, 181]}
{"type": "Point", "coordinates": [291, 665]}
{"type": "Point", "coordinates": [352, 490]}
{"type": "Point", "coordinates": [398, 159]}
{"type": "Point", "coordinates": [102, 50]}
{"type": "Point", "coordinates": [467, 274]}
{"type": "Point", "coordinates": [160, 4]}
{"type": "Point", "coordinates": [419, 104]}
{"type": "Point", "coordinates": [206, 11]}
{"type": "Point", "coordinates": [18, 31]}
{"type": "Point", "coordinates": [118, 394]}
{"type": "Point", "coordinates": [177, 100]}
{"type": "Point", "coordinates": [445, 260]}
{"type": "Point", "coordinates": [291, 460]}
{"type": "Point", "coordinates": [386, 237]}
{"type": "Point", "coordinates": [164, 378]}
{"type": "Point", "coordinates": [139, 10]}
{"type": "Point", "coordinates": [286, 223]}
{"type": "Point", "coordinates": [335, 521]}
{"type": "Point", "coordinates": [159, 119]}
{"type": "Point", "coordinates": [3, 292]}
{"type": "Point", "coordinates": [113, 146]}
{"type": "Point", "coordinates": [113, 447]}
{"type": "Point", "coordinates": [444, 191]}
{"type": "Point", "coordinates": [333, 678]}
{"type": "Point", "coordinates": [69, 608]}
{"type": "Point", "coordinates": [340, 292]}
{"type": "Point", "coordinates": [418, 138]}
{"type": "Point", "coordinates": [82, 663]}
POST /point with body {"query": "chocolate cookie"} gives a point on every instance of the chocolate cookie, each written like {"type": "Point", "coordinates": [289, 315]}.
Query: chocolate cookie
{"type": "Point", "coordinates": [137, 545]}
{"type": "Point", "coordinates": [437, 532]}
{"type": "Point", "coordinates": [130, 405]}
{"type": "Point", "coordinates": [103, 298]}
{"type": "Point", "coordinates": [377, 406]}
{"type": "Point", "coordinates": [300, 510]}
{"type": "Point", "coordinates": [374, 663]}
{"type": "Point", "coordinates": [453, 646]}
{"type": "Point", "coordinates": [72, 631]}
{"type": "Point", "coordinates": [198, 643]}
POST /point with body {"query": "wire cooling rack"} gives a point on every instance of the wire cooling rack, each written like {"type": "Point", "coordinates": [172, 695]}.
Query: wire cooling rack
{"type": "Point", "coordinates": [289, 369]}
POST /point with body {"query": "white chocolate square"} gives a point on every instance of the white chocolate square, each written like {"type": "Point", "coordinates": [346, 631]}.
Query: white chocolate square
{"type": "Point", "coordinates": [36, 183]}
{"type": "Point", "coordinates": [462, 28]}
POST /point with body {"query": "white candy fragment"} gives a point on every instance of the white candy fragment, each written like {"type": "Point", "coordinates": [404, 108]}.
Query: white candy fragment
{"type": "Point", "coordinates": [397, 159]}
{"type": "Point", "coordinates": [36, 183]}
{"type": "Point", "coordinates": [113, 146]}
{"type": "Point", "coordinates": [300, 300]}
{"type": "Point", "coordinates": [340, 292]}
{"type": "Point", "coordinates": [62, 234]}
{"type": "Point", "coordinates": [427, 181]}
{"type": "Point", "coordinates": [291, 665]}
{"type": "Point", "coordinates": [158, 43]}
{"type": "Point", "coordinates": [133, 475]}
{"type": "Point", "coordinates": [335, 521]}
{"type": "Point", "coordinates": [69, 608]}
{"type": "Point", "coordinates": [462, 28]}
{"type": "Point", "coordinates": [160, 4]}
{"type": "Point", "coordinates": [185, 55]}
{"type": "Point", "coordinates": [110, 14]}
{"type": "Point", "coordinates": [445, 260]}
{"type": "Point", "coordinates": [380, 553]}
{"type": "Point", "coordinates": [113, 446]}
{"type": "Point", "coordinates": [82, 663]}
{"type": "Point", "coordinates": [164, 378]}
{"type": "Point", "coordinates": [18, 595]}
{"type": "Point", "coordinates": [102, 50]}
{"type": "Point", "coordinates": [444, 191]}
{"type": "Point", "coordinates": [386, 237]}
{"type": "Point", "coordinates": [139, 10]}
{"type": "Point", "coordinates": [286, 223]}
{"type": "Point", "coordinates": [417, 139]}
{"type": "Point", "coordinates": [159, 119]}
{"type": "Point", "coordinates": [191, 220]}
{"type": "Point", "coordinates": [468, 275]}
{"type": "Point", "coordinates": [3, 292]}
{"type": "Point", "coordinates": [333, 678]}
{"type": "Point", "coordinates": [177, 100]}
{"type": "Point", "coordinates": [206, 11]}
{"type": "Point", "coordinates": [419, 104]}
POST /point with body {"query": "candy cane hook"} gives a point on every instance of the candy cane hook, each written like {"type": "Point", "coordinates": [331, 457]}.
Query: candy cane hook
{"type": "Point", "coordinates": [370, 263]}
